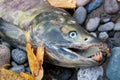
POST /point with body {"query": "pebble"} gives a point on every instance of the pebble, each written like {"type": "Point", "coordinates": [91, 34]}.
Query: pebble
{"type": "Point", "coordinates": [111, 33]}
{"type": "Point", "coordinates": [111, 6]}
{"type": "Point", "coordinates": [66, 76]}
{"type": "Point", "coordinates": [27, 70]}
{"type": "Point", "coordinates": [26, 64]}
{"type": "Point", "coordinates": [117, 26]}
{"type": "Point", "coordinates": [93, 24]}
{"type": "Point", "coordinates": [90, 73]}
{"type": "Point", "coordinates": [113, 68]}
{"type": "Point", "coordinates": [80, 15]}
{"type": "Point", "coordinates": [106, 27]}
{"type": "Point", "coordinates": [114, 41]}
{"type": "Point", "coordinates": [4, 55]}
{"type": "Point", "coordinates": [14, 64]}
{"type": "Point", "coordinates": [19, 56]}
{"type": "Point", "coordinates": [103, 36]}
{"type": "Point", "coordinates": [18, 69]}
{"type": "Point", "coordinates": [82, 2]}
{"type": "Point", "coordinates": [59, 73]}
{"type": "Point", "coordinates": [105, 18]}
{"type": "Point", "coordinates": [117, 38]}
{"type": "Point", "coordinates": [93, 34]}
{"type": "Point", "coordinates": [94, 5]}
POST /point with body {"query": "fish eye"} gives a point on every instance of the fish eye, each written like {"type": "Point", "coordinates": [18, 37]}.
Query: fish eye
{"type": "Point", "coordinates": [72, 34]}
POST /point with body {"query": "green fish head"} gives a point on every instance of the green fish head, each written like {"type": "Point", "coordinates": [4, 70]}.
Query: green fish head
{"type": "Point", "coordinates": [66, 43]}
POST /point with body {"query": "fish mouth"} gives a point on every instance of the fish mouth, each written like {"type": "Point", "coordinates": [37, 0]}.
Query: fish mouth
{"type": "Point", "coordinates": [97, 52]}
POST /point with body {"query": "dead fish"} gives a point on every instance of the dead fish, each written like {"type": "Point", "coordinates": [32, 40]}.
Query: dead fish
{"type": "Point", "coordinates": [66, 43]}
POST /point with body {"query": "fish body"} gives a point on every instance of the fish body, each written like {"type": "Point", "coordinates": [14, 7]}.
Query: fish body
{"type": "Point", "coordinates": [66, 43]}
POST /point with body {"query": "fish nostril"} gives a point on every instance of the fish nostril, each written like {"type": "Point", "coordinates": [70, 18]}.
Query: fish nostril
{"type": "Point", "coordinates": [86, 39]}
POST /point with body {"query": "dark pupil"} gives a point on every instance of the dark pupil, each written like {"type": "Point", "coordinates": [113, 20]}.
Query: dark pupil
{"type": "Point", "coordinates": [73, 34]}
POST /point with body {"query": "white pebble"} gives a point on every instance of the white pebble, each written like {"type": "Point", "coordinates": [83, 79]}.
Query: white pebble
{"type": "Point", "coordinates": [82, 2]}
{"type": "Point", "coordinates": [80, 15]}
{"type": "Point", "coordinates": [117, 26]}
{"type": "Point", "coordinates": [93, 24]}
{"type": "Point", "coordinates": [103, 36]}
{"type": "Point", "coordinates": [90, 73]}
{"type": "Point", "coordinates": [93, 34]}
{"type": "Point", "coordinates": [106, 27]}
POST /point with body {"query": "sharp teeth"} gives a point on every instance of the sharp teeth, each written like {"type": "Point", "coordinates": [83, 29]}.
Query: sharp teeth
{"type": "Point", "coordinates": [97, 57]}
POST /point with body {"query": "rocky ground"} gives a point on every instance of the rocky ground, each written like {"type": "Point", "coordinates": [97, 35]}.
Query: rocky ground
{"type": "Point", "coordinates": [101, 18]}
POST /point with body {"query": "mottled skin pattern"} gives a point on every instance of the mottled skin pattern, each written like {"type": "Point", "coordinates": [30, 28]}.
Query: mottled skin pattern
{"type": "Point", "coordinates": [66, 43]}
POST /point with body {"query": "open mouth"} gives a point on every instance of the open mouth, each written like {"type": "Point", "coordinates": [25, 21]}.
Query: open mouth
{"type": "Point", "coordinates": [96, 52]}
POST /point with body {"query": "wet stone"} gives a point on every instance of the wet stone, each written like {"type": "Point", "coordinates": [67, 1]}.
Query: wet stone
{"type": "Point", "coordinates": [117, 26]}
{"type": "Point", "coordinates": [93, 34]}
{"type": "Point", "coordinates": [106, 27]}
{"type": "Point", "coordinates": [82, 2]}
{"type": "Point", "coordinates": [80, 15]}
{"type": "Point", "coordinates": [4, 55]}
{"type": "Point", "coordinates": [93, 5]}
{"type": "Point", "coordinates": [90, 73]}
{"type": "Point", "coordinates": [114, 41]}
{"type": "Point", "coordinates": [117, 39]}
{"type": "Point", "coordinates": [113, 68]}
{"type": "Point", "coordinates": [111, 33]}
{"type": "Point", "coordinates": [103, 36]}
{"type": "Point", "coordinates": [14, 64]}
{"type": "Point", "coordinates": [26, 64]}
{"type": "Point", "coordinates": [19, 56]}
{"type": "Point", "coordinates": [111, 6]}
{"type": "Point", "coordinates": [18, 69]}
{"type": "Point", "coordinates": [59, 73]}
{"type": "Point", "coordinates": [105, 18]}
{"type": "Point", "coordinates": [93, 24]}
{"type": "Point", "coordinates": [27, 70]}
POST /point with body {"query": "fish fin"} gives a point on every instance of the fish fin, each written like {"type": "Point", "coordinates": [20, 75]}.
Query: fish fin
{"type": "Point", "coordinates": [11, 33]}
{"type": "Point", "coordinates": [9, 30]}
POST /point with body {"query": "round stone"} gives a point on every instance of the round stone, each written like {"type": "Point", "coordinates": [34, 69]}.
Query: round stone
{"type": "Point", "coordinates": [14, 64]}
{"type": "Point", "coordinates": [94, 5]}
{"type": "Point", "coordinates": [93, 34]}
{"type": "Point", "coordinates": [113, 68]}
{"type": "Point", "coordinates": [80, 15]}
{"type": "Point", "coordinates": [18, 69]}
{"type": "Point", "coordinates": [27, 70]}
{"type": "Point", "coordinates": [111, 6]}
{"type": "Point", "coordinates": [106, 27]}
{"type": "Point", "coordinates": [103, 36]}
{"type": "Point", "coordinates": [105, 18]}
{"type": "Point", "coordinates": [19, 56]}
{"type": "Point", "coordinates": [93, 24]}
{"type": "Point", "coordinates": [4, 55]}
{"type": "Point", "coordinates": [82, 2]}
{"type": "Point", "coordinates": [90, 73]}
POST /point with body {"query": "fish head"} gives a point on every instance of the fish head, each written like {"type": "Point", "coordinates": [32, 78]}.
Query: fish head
{"type": "Point", "coordinates": [67, 44]}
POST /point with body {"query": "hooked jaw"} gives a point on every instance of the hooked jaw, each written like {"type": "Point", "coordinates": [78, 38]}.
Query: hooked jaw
{"type": "Point", "coordinates": [77, 56]}
{"type": "Point", "coordinates": [97, 52]}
